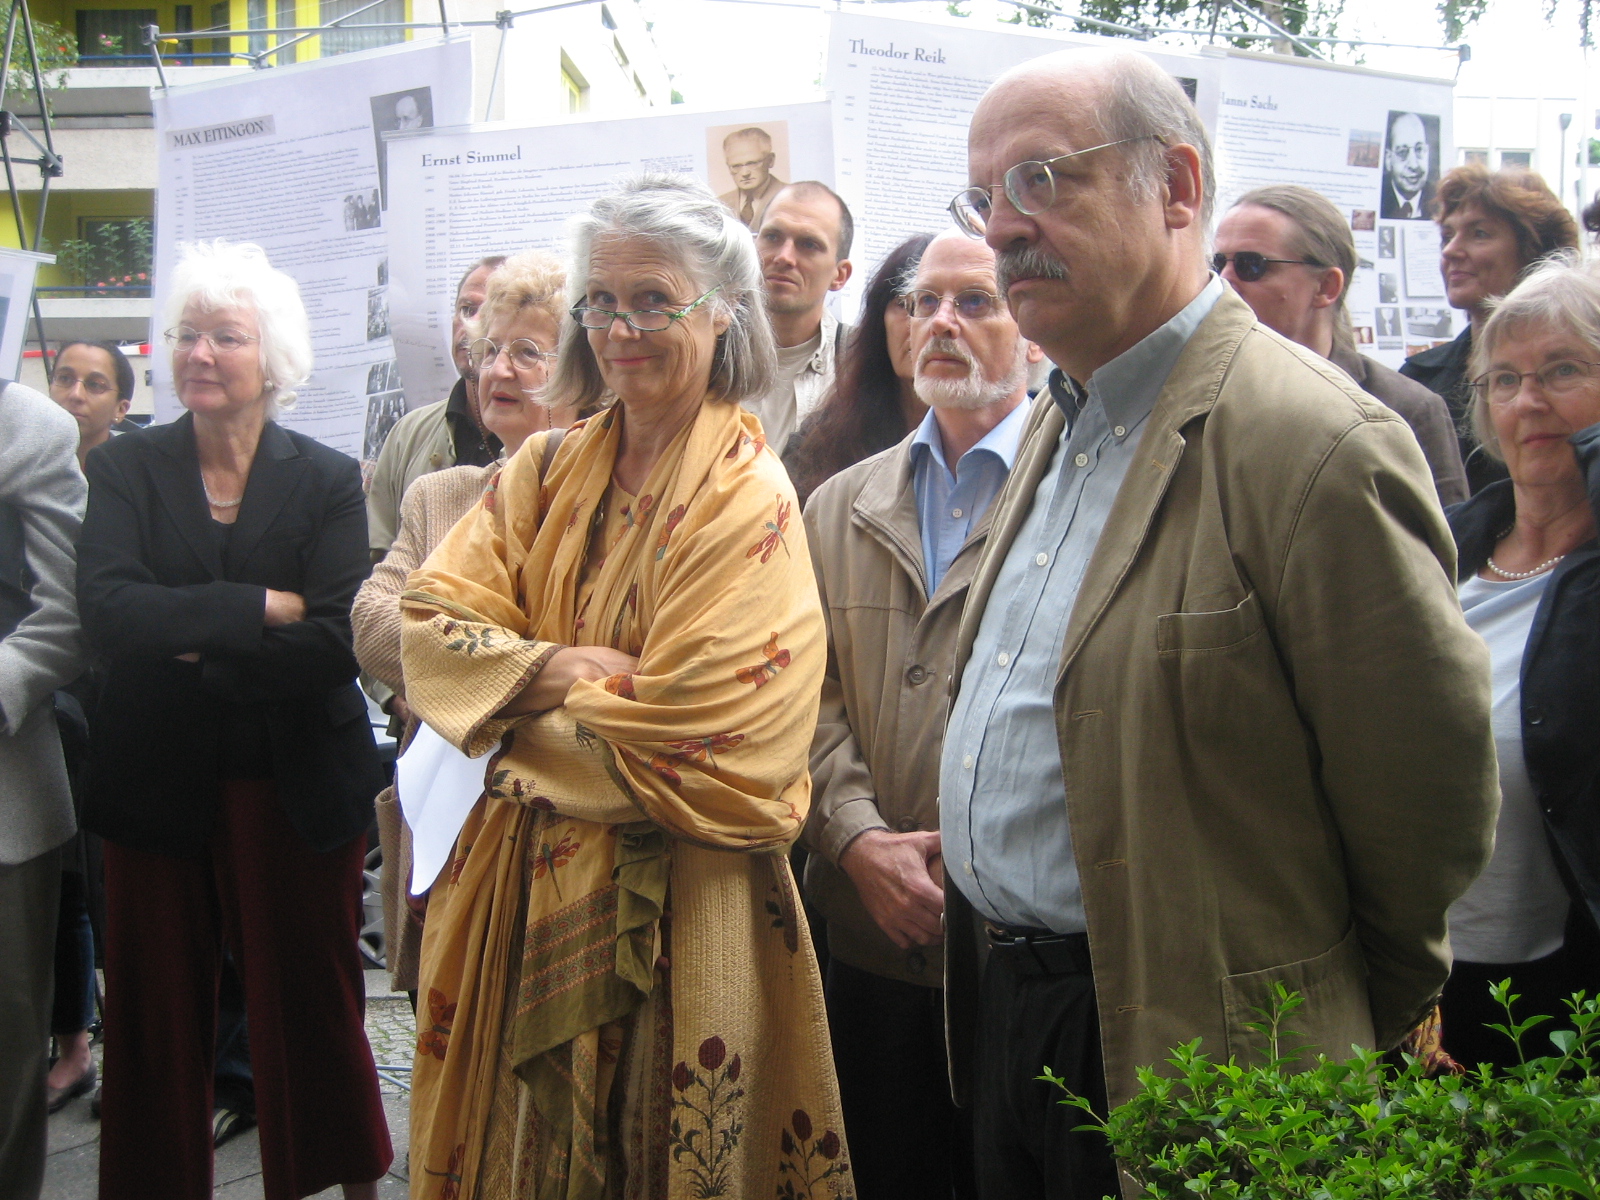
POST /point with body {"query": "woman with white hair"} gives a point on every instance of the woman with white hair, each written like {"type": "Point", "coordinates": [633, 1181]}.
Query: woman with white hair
{"type": "Point", "coordinates": [1529, 572]}
{"type": "Point", "coordinates": [232, 767]}
{"type": "Point", "coordinates": [620, 996]}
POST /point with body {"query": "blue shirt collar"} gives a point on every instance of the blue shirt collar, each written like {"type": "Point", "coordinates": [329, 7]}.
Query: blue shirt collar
{"type": "Point", "coordinates": [1128, 385]}
{"type": "Point", "coordinates": [1001, 441]}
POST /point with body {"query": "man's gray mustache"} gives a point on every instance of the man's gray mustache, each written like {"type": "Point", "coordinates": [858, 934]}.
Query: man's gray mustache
{"type": "Point", "coordinates": [1027, 262]}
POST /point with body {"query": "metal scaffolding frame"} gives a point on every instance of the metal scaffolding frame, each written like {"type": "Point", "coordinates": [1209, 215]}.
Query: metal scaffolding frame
{"type": "Point", "coordinates": [43, 157]}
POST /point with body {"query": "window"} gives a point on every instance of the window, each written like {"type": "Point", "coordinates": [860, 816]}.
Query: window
{"type": "Point", "coordinates": [1516, 158]}
{"type": "Point", "coordinates": [110, 254]}
{"type": "Point", "coordinates": [387, 13]}
{"type": "Point", "coordinates": [219, 20]}
{"type": "Point", "coordinates": [255, 12]}
{"type": "Point", "coordinates": [113, 37]}
{"type": "Point", "coordinates": [618, 53]}
{"type": "Point", "coordinates": [606, 18]}
{"type": "Point", "coordinates": [286, 19]}
{"type": "Point", "coordinates": [1475, 158]}
{"type": "Point", "coordinates": [573, 86]}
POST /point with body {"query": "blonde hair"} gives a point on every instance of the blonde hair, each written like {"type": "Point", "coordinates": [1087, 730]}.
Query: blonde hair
{"type": "Point", "coordinates": [533, 279]}
{"type": "Point", "coordinates": [222, 274]}
{"type": "Point", "coordinates": [1562, 292]}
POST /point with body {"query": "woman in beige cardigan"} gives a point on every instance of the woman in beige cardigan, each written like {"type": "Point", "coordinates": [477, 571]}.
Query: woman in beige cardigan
{"type": "Point", "coordinates": [515, 332]}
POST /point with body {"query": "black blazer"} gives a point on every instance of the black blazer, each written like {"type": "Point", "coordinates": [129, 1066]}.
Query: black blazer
{"type": "Point", "coordinates": [1443, 371]}
{"type": "Point", "coordinates": [153, 584]}
{"type": "Point", "coordinates": [1560, 678]}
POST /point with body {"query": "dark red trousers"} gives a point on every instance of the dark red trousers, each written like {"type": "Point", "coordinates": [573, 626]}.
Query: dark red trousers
{"type": "Point", "coordinates": [290, 917]}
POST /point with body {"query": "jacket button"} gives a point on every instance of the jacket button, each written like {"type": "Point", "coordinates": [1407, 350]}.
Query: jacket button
{"type": "Point", "coordinates": [1534, 714]}
{"type": "Point", "coordinates": [916, 962]}
{"type": "Point", "coordinates": [906, 824]}
{"type": "Point", "coordinates": [917, 674]}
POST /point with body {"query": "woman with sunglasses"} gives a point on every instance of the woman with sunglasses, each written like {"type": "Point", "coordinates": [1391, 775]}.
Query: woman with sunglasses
{"type": "Point", "coordinates": [232, 768]}
{"type": "Point", "coordinates": [512, 341]}
{"type": "Point", "coordinates": [1529, 581]}
{"type": "Point", "coordinates": [1492, 227]}
{"type": "Point", "coordinates": [1289, 254]}
{"type": "Point", "coordinates": [621, 996]}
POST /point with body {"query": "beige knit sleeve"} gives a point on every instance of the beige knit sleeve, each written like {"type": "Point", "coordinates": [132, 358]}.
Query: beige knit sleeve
{"type": "Point", "coordinates": [375, 616]}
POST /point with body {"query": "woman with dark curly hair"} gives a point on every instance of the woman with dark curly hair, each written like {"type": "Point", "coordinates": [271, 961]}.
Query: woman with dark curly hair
{"type": "Point", "coordinates": [1493, 226]}
{"type": "Point", "coordinates": [872, 404]}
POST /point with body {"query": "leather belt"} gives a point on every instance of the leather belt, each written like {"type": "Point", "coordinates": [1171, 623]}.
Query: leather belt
{"type": "Point", "coordinates": [1038, 951]}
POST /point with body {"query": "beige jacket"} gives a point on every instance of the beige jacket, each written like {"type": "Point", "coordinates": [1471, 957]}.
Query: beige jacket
{"type": "Point", "coordinates": [433, 504]}
{"type": "Point", "coordinates": [875, 759]}
{"type": "Point", "coordinates": [418, 444]}
{"type": "Point", "coordinates": [1273, 719]}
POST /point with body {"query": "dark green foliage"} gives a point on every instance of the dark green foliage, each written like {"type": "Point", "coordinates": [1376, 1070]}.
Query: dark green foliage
{"type": "Point", "coordinates": [1360, 1130]}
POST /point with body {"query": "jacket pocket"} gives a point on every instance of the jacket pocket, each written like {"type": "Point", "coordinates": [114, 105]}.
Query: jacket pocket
{"type": "Point", "coordinates": [1337, 1012]}
{"type": "Point", "coordinates": [1188, 631]}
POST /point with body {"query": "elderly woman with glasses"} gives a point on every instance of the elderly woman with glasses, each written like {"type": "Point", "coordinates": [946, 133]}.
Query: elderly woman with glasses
{"type": "Point", "coordinates": [512, 342]}
{"type": "Point", "coordinates": [232, 768]}
{"type": "Point", "coordinates": [621, 997]}
{"type": "Point", "coordinates": [1530, 585]}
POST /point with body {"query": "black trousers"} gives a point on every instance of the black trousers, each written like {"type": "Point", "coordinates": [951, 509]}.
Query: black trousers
{"type": "Point", "coordinates": [907, 1140]}
{"type": "Point", "coordinates": [1038, 1010]}
{"type": "Point", "coordinates": [1466, 1009]}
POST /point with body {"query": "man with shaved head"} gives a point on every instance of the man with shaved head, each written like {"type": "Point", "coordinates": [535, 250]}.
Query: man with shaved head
{"type": "Point", "coordinates": [1212, 688]}
{"type": "Point", "coordinates": [894, 540]}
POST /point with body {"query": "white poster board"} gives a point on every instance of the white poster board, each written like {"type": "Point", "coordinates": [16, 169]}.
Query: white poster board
{"type": "Point", "coordinates": [17, 271]}
{"type": "Point", "coordinates": [1333, 129]}
{"type": "Point", "coordinates": [460, 194]}
{"type": "Point", "coordinates": [903, 94]}
{"type": "Point", "coordinates": [293, 159]}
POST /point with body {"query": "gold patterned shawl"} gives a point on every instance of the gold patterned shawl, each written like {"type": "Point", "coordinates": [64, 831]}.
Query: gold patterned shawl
{"type": "Point", "coordinates": [624, 801]}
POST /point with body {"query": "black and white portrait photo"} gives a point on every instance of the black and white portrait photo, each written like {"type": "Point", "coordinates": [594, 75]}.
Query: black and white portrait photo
{"type": "Point", "coordinates": [395, 112]}
{"type": "Point", "coordinates": [1410, 166]}
{"type": "Point", "coordinates": [361, 211]}
{"type": "Point", "coordinates": [1388, 288]}
{"type": "Point", "coordinates": [1388, 322]}
{"type": "Point", "coordinates": [1386, 241]}
{"type": "Point", "coordinates": [377, 313]}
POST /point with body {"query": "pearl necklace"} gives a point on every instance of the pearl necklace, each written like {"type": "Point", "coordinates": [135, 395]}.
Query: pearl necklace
{"type": "Point", "coordinates": [1542, 567]}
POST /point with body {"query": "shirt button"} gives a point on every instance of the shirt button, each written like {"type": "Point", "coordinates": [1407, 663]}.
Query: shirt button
{"type": "Point", "coordinates": [1039, 560]}
{"type": "Point", "coordinates": [956, 513]}
{"type": "Point", "coordinates": [1120, 430]}
{"type": "Point", "coordinates": [1003, 659]}
{"type": "Point", "coordinates": [1082, 460]}
{"type": "Point", "coordinates": [967, 762]}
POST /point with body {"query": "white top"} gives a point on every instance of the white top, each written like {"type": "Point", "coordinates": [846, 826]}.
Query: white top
{"type": "Point", "coordinates": [1516, 911]}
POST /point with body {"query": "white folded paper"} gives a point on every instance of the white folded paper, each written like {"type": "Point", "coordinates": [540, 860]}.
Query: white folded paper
{"type": "Point", "coordinates": [438, 787]}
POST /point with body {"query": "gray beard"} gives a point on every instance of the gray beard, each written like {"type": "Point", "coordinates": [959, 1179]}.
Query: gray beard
{"type": "Point", "coordinates": [974, 392]}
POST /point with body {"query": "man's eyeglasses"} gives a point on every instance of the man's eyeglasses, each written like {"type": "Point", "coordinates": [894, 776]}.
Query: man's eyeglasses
{"type": "Point", "coordinates": [645, 320]}
{"type": "Point", "coordinates": [95, 385]}
{"type": "Point", "coordinates": [1561, 378]}
{"type": "Point", "coordinates": [1030, 186]}
{"type": "Point", "coordinates": [222, 341]}
{"type": "Point", "coordinates": [525, 354]}
{"type": "Point", "coordinates": [1249, 266]}
{"type": "Point", "coordinates": [971, 305]}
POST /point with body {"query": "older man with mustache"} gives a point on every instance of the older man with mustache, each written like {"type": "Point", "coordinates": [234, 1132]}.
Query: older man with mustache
{"type": "Point", "coordinates": [894, 540]}
{"type": "Point", "coordinates": [1212, 685]}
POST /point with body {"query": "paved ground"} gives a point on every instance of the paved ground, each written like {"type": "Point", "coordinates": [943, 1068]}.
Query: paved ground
{"type": "Point", "coordinates": [75, 1136]}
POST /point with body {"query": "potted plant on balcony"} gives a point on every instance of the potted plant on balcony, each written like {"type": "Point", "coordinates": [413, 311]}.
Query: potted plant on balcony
{"type": "Point", "coordinates": [1358, 1128]}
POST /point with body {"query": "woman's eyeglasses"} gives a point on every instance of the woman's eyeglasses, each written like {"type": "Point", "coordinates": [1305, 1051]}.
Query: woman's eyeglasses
{"type": "Point", "coordinates": [1250, 266]}
{"type": "Point", "coordinates": [1560, 378]}
{"type": "Point", "coordinates": [525, 354]}
{"type": "Point", "coordinates": [971, 305]}
{"type": "Point", "coordinates": [222, 341]}
{"type": "Point", "coordinates": [95, 385]}
{"type": "Point", "coordinates": [645, 320]}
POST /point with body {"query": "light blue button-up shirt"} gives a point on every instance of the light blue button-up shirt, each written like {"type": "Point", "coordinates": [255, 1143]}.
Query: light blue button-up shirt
{"type": "Point", "coordinates": [1002, 797]}
{"type": "Point", "coordinates": [949, 506]}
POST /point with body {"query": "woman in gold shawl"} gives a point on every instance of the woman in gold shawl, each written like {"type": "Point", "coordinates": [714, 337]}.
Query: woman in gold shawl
{"type": "Point", "coordinates": [619, 996]}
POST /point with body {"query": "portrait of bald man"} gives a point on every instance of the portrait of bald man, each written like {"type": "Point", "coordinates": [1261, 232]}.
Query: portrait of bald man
{"type": "Point", "coordinates": [1187, 752]}
{"type": "Point", "coordinates": [1409, 170]}
{"type": "Point", "coordinates": [750, 159]}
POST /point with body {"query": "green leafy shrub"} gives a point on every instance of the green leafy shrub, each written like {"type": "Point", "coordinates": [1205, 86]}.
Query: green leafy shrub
{"type": "Point", "coordinates": [1359, 1129]}
{"type": "Point", "coordinates": [57, 49]}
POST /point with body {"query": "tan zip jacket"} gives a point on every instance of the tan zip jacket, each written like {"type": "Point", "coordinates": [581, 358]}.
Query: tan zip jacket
{"type": "Point", "coordinates": [875, 759]}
